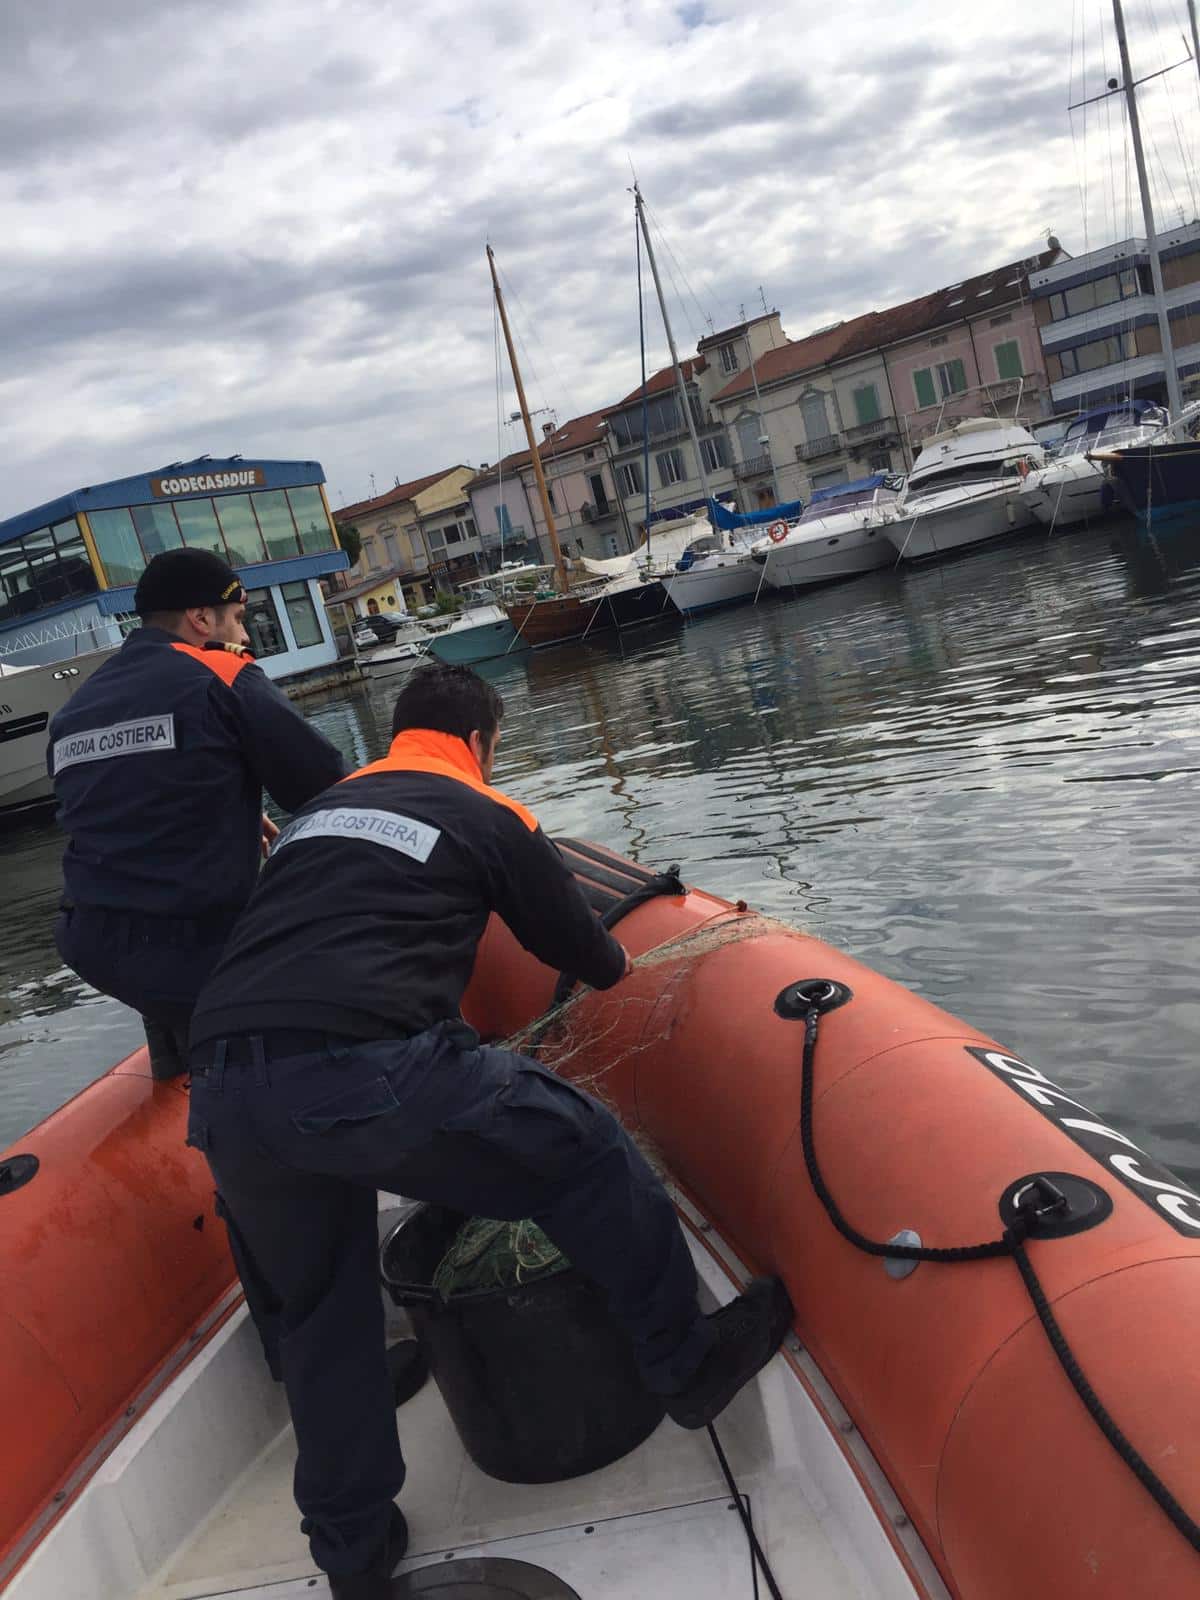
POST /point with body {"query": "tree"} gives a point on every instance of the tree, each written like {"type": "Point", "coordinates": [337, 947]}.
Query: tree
{"type": "Point", "coordinates": [351, 541]}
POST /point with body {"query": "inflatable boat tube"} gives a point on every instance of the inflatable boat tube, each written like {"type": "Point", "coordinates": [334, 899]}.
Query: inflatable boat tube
{"type": "Point", "coordinates": [114, 1268]}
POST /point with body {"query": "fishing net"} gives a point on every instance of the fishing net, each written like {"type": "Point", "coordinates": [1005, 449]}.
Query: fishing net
{"type": "Point", "coordinates": [496, 1255]}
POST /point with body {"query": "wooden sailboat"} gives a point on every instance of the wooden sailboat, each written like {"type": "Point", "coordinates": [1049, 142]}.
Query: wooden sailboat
{"type": "Point", "coordinates": [563, 615]}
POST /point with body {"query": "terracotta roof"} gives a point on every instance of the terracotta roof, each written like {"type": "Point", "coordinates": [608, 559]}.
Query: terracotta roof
{"type": "Point", "coordinates": [971, 298]}
{"type": "Point", "coordinates": [575, 434]}
{"type": "Point", "coordinates": [392, 497]}
{"type": "Point", "coordinates": [663, 379]}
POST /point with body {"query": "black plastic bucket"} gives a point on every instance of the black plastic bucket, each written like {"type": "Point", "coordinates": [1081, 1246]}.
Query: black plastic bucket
{"type": "Point", "coordinates": [539, 1380]}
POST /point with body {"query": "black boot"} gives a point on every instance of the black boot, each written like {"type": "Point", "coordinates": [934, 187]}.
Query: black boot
{"type": "Point", "coordinates": [749, 1330]}
{"type": "Point", "coordinates": [376, 1582]}
{"type": "Point", "coordinates": [408, 1367]}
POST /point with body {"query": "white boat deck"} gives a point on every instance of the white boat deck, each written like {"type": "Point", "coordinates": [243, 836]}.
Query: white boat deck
{"type": "Point", "coordinates": [659, 1522]}
{"type": "Point", "coordinates": [195, 1502]}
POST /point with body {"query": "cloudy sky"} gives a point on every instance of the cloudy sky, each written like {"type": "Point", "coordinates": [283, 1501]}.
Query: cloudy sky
{"type": "Point", "coordinates": [258, 226]}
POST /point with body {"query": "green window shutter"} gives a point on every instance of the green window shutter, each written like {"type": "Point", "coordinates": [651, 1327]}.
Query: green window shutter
{"type": "Point", "coordinates": [958, 376]}
{"type": "Point", "coordinates": [866, 403]}
{"type": "Point", "coordinates": [1008, 359]}
{"type": "Point", "coordinates": [923, 384]}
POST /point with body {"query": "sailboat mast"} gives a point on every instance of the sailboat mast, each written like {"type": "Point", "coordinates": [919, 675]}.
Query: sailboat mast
{"type": "Point", "coordinates": [1174, 400]}
{"type": "Point", "coordinates": [1195, 33]}
{"type": "Point", "coordinates": [560, 571]}
{"type": "Point", "coordinates": [682, 387]}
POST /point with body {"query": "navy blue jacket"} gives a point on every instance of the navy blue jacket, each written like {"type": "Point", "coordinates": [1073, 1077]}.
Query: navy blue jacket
{"type": "Point", "coordinates": [367, 917]}
{"type": "Point", "coordinates": [159, 762]}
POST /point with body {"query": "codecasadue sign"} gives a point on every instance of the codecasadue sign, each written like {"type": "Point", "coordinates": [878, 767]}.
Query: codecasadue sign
{"type": "Point", "coordinates": [209, 482]}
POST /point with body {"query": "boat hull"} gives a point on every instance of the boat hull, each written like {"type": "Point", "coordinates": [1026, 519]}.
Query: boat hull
{"type": "Point", "coordinates": [111, 1257]}
{"type": "Point", "coordinates": [703, 588]}
{"type": "Point", "coordinates": [483, 642]}
{"type": "Point", "coordinates": [1060, 498]}
{"type": "Point", "coordinates": [28, 700]}
{"type": "Point", "coordinates": [640, 603]}
{"type": "Point", "coordinates": [554, 621]}
{"type": "Point", "coordinates": [1159, 484]}
{"type": "Point", "coordinates": [939, 531]}
{"type": "Point", "coordinates": [827, 557]}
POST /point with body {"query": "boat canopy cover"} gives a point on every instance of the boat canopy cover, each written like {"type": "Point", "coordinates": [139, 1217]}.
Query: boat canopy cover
{"type": "Point", "coordinates": [1111, 415]}
{"type": "Point", "coordinates": [729, 520]}
{"type": "Point", "coordinates": [860, 486]}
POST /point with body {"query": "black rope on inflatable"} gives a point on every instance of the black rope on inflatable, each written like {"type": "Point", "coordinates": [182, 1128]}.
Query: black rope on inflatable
{"type": "Point", "coordinates": [1012, 1243]}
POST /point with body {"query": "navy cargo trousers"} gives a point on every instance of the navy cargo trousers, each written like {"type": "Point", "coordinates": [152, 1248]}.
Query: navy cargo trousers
{"type": "Point", "coordinates": [299, 1140]}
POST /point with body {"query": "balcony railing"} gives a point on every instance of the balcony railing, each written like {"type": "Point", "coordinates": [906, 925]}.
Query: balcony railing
{"type": "Point", "coordinates": [870, 430]}
{"type": "Point", "coordinates": [756, 467]}
{"type": "Point", "coordinates": [829, 445]}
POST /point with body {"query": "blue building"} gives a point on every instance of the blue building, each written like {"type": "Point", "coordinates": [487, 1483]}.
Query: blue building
{"type": "Point", "coordinates": [1098, 320]}
{"type": "Point", "coordinates": [68, 568]}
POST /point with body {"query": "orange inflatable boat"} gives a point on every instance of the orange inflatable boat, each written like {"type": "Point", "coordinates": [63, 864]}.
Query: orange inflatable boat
{"type": "Point", "coordinates": [1045, 1454]}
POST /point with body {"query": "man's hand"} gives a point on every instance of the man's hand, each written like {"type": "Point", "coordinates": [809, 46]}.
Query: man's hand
{"type": "Point", "coordinates": [270, 833]}
{"type": "Point", "coordinates": [628, 964]}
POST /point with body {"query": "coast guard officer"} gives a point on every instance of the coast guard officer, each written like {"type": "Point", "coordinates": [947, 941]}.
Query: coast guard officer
{"type": "Point", "coordinates": [159, 762]}
{"type": "Point", "coordinates": [330, 1059]}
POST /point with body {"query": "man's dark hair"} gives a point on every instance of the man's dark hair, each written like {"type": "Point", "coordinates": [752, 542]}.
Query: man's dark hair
{"type": "Point", "coordinates": [449, 700]}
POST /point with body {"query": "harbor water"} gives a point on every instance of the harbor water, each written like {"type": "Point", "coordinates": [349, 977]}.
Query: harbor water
{"type": "Point", "coordinates": [980, 778]}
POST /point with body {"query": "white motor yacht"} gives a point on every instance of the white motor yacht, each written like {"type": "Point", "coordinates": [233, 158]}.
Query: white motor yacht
{"type": "Point", "coordinates": [718, 569]}
{"type": "Point", "coordinates": [964, 488]}
{"type": "Point", "coordinates": [29, 697]}
{"type": "Point", "coordinates": [840, 534]}
{"type": "Point", "coordinates": [1071, 487]}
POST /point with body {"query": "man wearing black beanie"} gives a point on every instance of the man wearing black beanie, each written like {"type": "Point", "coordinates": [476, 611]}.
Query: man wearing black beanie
{"type": "Point", "coordinates": [159, 763]}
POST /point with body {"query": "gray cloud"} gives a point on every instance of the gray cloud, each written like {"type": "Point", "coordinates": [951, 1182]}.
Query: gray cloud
{"type": "Point", "coordinates": [259, 226]}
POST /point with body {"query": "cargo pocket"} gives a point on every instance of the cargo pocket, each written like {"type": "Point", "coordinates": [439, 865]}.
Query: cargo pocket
{"type": "Point", "coordinates": [547, 1124]}
{"type": "Point", "coordinates": [360, 1102]}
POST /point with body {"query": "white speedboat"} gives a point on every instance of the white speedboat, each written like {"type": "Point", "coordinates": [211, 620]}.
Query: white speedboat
{"type": "Point", "coordinates": [29, 697]}
{"type": "Point", "coordinates": [1071, 487]}
{"type": "Point", "coordinates": [964, 488]}
{"type": "Point", "coordinates": [717, 570]}
{"type": "Point", "coordinates": [840, 534]}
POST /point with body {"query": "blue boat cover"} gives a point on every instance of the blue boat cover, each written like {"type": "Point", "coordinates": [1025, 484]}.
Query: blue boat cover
{"type": "Point", "coordinates": [877, 480]}
{"type": "Point", "coordinates": [1094, 421]}
{"type": "Point", "coordinates": [684, 509]}
{"type": "Point", "coordinates": [728, 520]}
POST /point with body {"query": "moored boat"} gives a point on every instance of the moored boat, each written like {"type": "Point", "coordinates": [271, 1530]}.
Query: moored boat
{"type": "Point", "coordinates": [964, 488]}
{"type": "Point", "coordinates": [716, 570]}
{"type": "Point", "coordinates": [1071, 487]}
{"type": "Point", "coordinates": [839, 534]}
{"type": "Point", "coordinates": [29, 697]}
{"type": "Point", "coordinates": [1159, 481]}
{"type": "Point", "coordinates": [918, 1417]}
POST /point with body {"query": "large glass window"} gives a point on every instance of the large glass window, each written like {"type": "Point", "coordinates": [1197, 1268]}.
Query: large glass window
{"type": "Point", "coordinates": [156, 528]}
{"type": "Point", "coordinates": [44, 568]}
{"type": "Point", "coordinates": [262, 624]}
{"type": "Point", "coordinates": [238, 524]}
{"type": "Point", "coordinates": [117, 546]}
{"type": "Point", "coordinates": [275, 520]}
{"type": "Point", "coordinates": [309, 511]}
{"type": "Point", "coordinates": [1099, 292]}
{"type": "Point", "coordinates": [302, 614]}
{"type": "Point", "coordinates": [1098, 353]}
{"type": "Point", "coordinates": [199, 526]}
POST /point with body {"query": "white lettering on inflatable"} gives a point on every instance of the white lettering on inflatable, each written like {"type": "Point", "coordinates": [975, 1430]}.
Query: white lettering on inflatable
{"type": "Point", "coordinates": [387, 828]}
{"type": "Point", "coordinates": [1100, 1128]}
{"type": "Point", "coordinates": [1158, 1188]}
{"type": "Point", "coordinates": [121, 739]}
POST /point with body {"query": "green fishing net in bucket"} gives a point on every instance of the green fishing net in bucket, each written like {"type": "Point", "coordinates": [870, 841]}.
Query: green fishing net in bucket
{"type": "Point", "coordinates": [496, 1255]}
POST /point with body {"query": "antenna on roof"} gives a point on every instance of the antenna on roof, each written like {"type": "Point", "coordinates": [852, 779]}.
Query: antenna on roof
{"type": "Point", "coordinates": [371, 475]}
{"type": "Point", "coordinates": [763, 298]}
